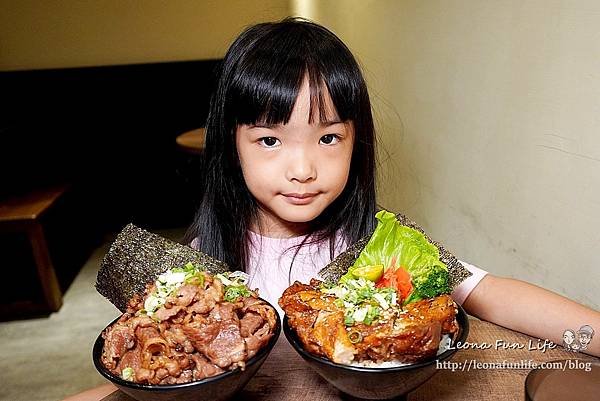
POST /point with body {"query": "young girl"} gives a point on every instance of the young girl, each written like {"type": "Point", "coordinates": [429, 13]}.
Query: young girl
{"type": "Point", "coordinates": [290, 177]}
{"type": "Point", "coordinates": [290, 167]}
{"type": "Point", "coordinates": [290, 156]}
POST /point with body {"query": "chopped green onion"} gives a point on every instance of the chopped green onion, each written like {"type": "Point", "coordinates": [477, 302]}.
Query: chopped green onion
{"type": "Point", "coordinates": [355, 337]}
{"type": "Point", "coordinates": [232, 293]}
{"type": "Point", "coordinates": [361, 300]}
{"type": "Point", "coordinates": [372, 314]}
{"type": "Point", "coordinates": [128, 374]}
{"type": "Point", "coordinates": [235, 285]}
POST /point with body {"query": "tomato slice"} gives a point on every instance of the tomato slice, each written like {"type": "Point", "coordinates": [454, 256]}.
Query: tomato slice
{"type": "Point", "coordinates": [387, 280]}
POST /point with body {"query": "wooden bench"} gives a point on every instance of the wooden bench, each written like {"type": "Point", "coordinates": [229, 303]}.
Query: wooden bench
{"type": "Point", "coordinates": [22, 214]}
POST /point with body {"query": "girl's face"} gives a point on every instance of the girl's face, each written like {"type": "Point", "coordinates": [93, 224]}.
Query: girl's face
{"type": "Point", "coordinates": [568, 337]}
{"type": "Point", "coordinates": [296, 170]}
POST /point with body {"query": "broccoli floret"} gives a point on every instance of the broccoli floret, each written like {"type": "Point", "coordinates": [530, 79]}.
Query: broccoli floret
{"type": "Point", "coordinates": [428, 282]}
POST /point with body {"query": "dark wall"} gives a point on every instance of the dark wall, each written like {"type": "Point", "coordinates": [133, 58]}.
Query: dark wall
{"type": "Point", "coordinates": [110, 132]}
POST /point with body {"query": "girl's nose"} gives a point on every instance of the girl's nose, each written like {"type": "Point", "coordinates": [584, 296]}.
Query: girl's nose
{"type": "Point", "coordinates": [301, 168]}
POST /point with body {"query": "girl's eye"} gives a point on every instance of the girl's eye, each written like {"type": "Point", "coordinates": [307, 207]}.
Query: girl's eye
{"type": "Point", "coordinates": [329, 139]}
{"type": "Point", "coordinates": [269, 142]}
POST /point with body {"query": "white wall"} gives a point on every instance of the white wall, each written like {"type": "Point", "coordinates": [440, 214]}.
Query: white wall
{"type": "Point", "coordinates": [490, 115]}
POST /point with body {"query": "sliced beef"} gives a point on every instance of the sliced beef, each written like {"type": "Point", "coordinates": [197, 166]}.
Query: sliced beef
{"type": "Point", "coordinates": [118, 339]}
{"type": "Point", "coordinates": [258, 340]}
{"type": "Point", "coordinates": [201, 333]}
{"type": "Point", "coordinates": [249, 324]}
{"type": "Point", "coordinates": [164, 313]}
{"type": "Point", "coordinates": [228, 347]}
{"type": "Point", "coordinates": [184, 295]}
{"type": "Point", "coordinates": [204, 368]}
{"type": "Point", "coordinates": [205, 301]}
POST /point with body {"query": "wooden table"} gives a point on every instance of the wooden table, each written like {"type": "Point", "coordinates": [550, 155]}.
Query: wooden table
{"type": "Point", "coordinates": [192, 141]}
{"type": "Point", "coordinates": [285, 376]}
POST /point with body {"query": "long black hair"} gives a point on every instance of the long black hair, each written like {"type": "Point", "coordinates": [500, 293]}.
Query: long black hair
{"type": "Point", "coordinates": [260, 79]}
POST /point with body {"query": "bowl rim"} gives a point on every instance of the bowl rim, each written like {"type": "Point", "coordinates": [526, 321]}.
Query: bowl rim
{"type": "Point", "coordinates": [463, 331]}
{"type": "Point", "coordinates": [99, 345]}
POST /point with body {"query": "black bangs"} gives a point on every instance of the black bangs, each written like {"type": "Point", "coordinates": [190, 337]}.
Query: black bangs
{"type": "Point", "coordinates": [266, 81]}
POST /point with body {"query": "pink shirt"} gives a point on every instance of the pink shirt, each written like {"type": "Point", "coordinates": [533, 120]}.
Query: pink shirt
{"type": "Point", "coordinates": [269, 267]}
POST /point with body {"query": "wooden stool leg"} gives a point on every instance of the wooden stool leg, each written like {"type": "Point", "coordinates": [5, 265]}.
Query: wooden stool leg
{"type": "Point", "coordinates": [45, 270]}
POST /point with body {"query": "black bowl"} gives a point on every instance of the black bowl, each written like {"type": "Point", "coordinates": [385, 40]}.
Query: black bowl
{"type": "Point", "coordinates": [216, 388]}
{"type": "Point", "coordinates": [377, 383]}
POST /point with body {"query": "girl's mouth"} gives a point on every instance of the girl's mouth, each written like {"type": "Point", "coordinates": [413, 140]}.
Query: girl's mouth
{"type": "Point", "coordinates": [300, 199]}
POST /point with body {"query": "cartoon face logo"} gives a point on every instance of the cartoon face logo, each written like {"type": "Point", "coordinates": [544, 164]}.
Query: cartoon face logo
{"type": "Point", "coordinates": [568, 339]}
{"type": "Point", "coordinates": [584, 335]}
{"type": "Point", "coordinates": [580, 341]}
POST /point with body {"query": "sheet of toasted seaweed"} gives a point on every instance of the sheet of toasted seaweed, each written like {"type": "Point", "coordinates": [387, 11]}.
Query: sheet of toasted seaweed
{"type": "Point", "coordinates": [138, 257]}
{"type": "Point", "coordinates": [340, 265]}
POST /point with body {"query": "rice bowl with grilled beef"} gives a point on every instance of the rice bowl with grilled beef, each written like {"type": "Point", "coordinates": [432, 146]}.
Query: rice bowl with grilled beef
{"type": "Point", "coordinates": [188, 325]}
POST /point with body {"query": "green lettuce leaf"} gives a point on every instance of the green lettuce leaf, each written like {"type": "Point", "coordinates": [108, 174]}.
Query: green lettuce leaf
{"type": "Point", "coordinates": [394, 245]}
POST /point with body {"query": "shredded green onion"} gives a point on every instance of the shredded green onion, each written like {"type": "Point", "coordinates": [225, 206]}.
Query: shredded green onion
{"type": "Point", "coordinates": [235, 285]}
{"type": "Point", "coordinates": [168, 282]}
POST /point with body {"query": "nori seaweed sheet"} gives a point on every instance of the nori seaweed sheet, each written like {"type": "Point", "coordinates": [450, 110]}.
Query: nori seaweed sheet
{"type": "Point", "coordinates": [138, 257]}
{"type": "Point", "coordinates": [340, 265]}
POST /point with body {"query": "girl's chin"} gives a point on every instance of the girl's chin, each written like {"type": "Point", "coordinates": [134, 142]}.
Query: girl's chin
{"type": "Point", "coordinates": [299, 214]}
{"type": "Point", "coordinates": [286, 220]}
